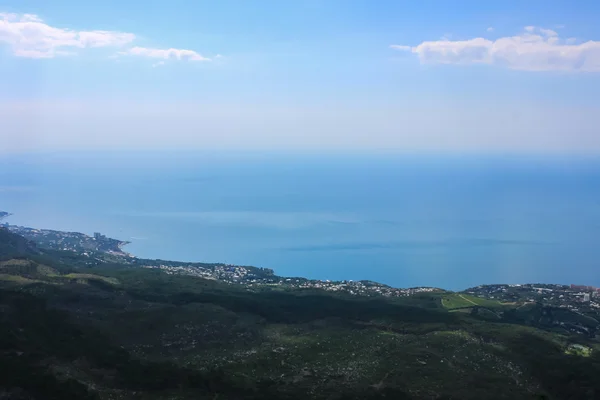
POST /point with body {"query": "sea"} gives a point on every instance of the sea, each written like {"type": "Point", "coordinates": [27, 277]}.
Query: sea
{"type": "Point", "coordinates": [406, 220]}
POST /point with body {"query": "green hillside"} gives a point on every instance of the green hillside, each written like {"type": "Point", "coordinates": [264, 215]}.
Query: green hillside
{"type": "Point", "coordinates": [124, 332]}
{"type": "Point", "coordinates": [452, 301]}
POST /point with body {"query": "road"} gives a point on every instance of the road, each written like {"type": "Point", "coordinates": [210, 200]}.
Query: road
{"type": "Point", "coordinates": [470, 301]}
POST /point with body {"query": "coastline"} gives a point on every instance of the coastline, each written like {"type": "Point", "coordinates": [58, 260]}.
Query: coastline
{"type": "Point", "coordinates": [116, 248]}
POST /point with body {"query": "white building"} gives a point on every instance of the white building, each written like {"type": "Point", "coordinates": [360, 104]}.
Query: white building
{"type": "Point", "coordinates": [586, 297]}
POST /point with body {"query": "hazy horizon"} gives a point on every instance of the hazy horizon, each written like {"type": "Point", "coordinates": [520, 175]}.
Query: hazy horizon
{"type": "Point", "coordinates": [315, 75]}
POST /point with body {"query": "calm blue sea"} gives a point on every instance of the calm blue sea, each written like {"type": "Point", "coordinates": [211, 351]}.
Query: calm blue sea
{"type": "Point", "coordinates": [451, 222]}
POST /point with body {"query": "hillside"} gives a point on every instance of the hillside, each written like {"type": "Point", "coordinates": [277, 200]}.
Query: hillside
{"type": "Point", "coordinates": [12, 245]}
{"type": "Point", "coordinates": [119, 331]}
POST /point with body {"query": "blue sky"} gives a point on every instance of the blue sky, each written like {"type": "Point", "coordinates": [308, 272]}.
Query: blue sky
{"type": "Point", "coordinates": [508, 76]}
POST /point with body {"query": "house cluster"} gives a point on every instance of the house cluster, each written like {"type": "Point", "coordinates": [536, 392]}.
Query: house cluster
{"type": "Point", "coordinates": [70, 241]}
{"type": "Point", "coordinates": [358, 288]}
{"type": "Point", "coordinates": [226, 273]}
{"type": "Point", "coordinates": [574, 297]}
{"type": "Point", "coordinates": [247, 277]}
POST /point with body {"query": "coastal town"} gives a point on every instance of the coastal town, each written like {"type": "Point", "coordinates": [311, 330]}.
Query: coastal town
{"type": "Point", "coordinates": [248, 277]}
{"type": "Point", "coordinates": [70, 241]}
{"type": "Point", "coordinates": [581, 300]}
{"type": "Point", "coordinates": [568, 296]}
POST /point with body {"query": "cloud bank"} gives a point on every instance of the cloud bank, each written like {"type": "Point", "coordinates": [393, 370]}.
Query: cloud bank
{"type": "Point", "coordinates": [29, 36]}
{"type": "Point", "coordinates": [535, 49]}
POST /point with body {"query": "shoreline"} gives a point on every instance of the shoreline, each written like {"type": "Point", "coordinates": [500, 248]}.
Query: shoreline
{"type": "Point", "coordinates": [117, 249]}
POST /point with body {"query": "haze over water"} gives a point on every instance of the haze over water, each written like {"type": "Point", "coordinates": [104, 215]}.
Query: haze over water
{"type": "Point", "coordinates": [451, 222]}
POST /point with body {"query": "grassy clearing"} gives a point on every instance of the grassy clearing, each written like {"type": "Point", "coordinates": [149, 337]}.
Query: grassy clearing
{"type": "Point", "coordinates": [453, 301]}
{"type": "Point", "coordinates": [578, 350]}
{"type": "Point", "coordinates": [462, 310]}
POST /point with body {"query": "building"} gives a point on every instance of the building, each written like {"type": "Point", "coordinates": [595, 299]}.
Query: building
{"type": "Point", "coordinates": [583, 287]}
{"type": "Point", "coordinates": [586, 297]}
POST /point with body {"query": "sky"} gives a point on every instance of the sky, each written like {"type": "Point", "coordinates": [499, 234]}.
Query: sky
{"type": "Point", "coordinates": [314, 75]}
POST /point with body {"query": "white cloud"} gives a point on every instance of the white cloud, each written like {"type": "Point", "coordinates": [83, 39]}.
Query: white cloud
{"type": "Point", "coordinates": [536, 49]}
{"type": "Point", "coordinates": [29, 36]}
{"type": "Point", "coordinates": [548, 32]}
{"type": "Point", "coordinates": [29, 17]}
{"type": "Point", "coordinates": [104, 38]}
{"type": "Point", "coordinates": [400, 47]}
{"type": "Point", "coordinates": [165, 54]}
{"type": "Point", "coordinates": [490, 29]}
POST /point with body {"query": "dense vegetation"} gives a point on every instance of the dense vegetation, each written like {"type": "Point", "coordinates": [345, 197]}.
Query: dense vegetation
{"type": "Point", "coordinates": [68, 331]}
